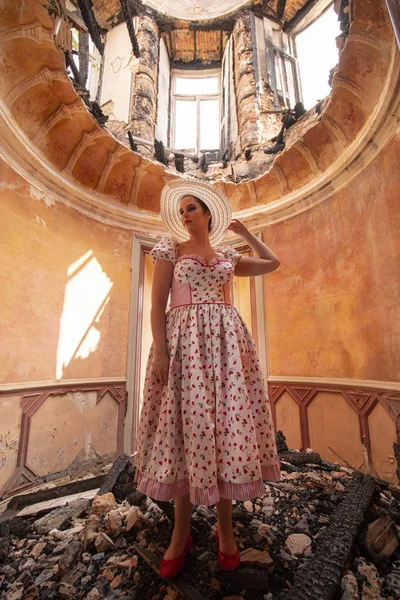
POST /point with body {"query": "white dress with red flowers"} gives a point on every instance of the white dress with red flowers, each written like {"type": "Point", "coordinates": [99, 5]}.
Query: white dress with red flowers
{"type": "Point", "coordinates": [209, 431]}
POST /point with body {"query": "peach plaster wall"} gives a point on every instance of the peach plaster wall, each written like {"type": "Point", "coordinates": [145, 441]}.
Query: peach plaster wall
{"type": "Point", "coordinates": [64, 307]}
{"type": "Point", "coordinates": [64, 298]}
{"type": "Point", "coordinates": [333, 306]}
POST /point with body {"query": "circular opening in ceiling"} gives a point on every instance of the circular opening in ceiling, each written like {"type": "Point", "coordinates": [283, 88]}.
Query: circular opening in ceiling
{"type": "Point", "coordinates": [195, 10]}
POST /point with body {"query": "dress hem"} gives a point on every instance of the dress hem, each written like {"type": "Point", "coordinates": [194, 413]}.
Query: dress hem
{"type": "Point", "coordinates": [207, 496]}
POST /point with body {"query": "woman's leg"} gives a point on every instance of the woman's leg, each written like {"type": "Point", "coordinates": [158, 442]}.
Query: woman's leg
{"type": "Point", "coordinates": [227, 542]}
{"type": "Point", "coordinates": [183, 512]}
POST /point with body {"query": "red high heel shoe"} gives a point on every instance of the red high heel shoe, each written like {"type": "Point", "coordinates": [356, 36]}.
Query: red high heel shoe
{"type": "Point", "coordinates": [169, 568]}
{"type": "Point", "coordinates": [227, 562]}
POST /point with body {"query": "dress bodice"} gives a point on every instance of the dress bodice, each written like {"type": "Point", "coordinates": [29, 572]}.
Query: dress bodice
{"type": "Point", "coordinates": [196, 282]}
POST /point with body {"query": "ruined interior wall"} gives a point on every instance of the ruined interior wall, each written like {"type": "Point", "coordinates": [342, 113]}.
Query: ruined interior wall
{"type": "Point", "coordinates": [254, 97]}
{"type": "Point", "coordinates": [145, 87]}
{"type": "Point", "coordinates": [333, 312]}
{"type": "Point", "coordinates": [117, 77]}
{"type": "Point", "coordinates": [64, 304]}
{"type": "Point", "coordinates": [65, 292]}
{"type": "Point", "coordinates": [164, 76]}
{"type": "Point", "coordinates": [332, 306]}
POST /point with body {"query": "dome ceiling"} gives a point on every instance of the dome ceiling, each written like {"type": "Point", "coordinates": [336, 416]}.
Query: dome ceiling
{"type": "Point", "coordinates": [109, 13]}
{"type": "Point", "coordinates": [48, 135]}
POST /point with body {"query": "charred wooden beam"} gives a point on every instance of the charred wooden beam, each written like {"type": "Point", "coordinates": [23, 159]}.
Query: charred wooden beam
{"type": "Point", "coordinates": [132, 142]}
{"type": "Point", "coordinates": [69, 61]}
{"type": "Point", "coordinates": [281, 442]}
{"type": "Point", "coordinates": [86, 8]}
{"type": "Point", "coordinates": [112, 476]}
{"type": "Point", "coordinates": [76, 20]}
{"type": "Point", "coordinates": [299, 459]}
{"type": "Point", "coordinates": [180, 163]}
{"type": "Point", "coordinates": [5, 541]}
{"type": "Point", "coordinates": [396, 448]}
{"type": "Point", "coordinates": [320, 580]}
{"type": "Point", "coordinates": [83, 57]}
{"type": "Point", "coordinates": [131, 30]}
{"type": "Point", "coordinates": [195, 65]}
{"type": "Point", "coordinates": [202, 164]}
{"type": "Point", "coordinates": [98, 114]}
{"type": "Point", "coordinates": [143, 142]}
{"type": "Point", "coordinates": [280, 9]}
{"type": "Point", "coordinates": [159, 152]}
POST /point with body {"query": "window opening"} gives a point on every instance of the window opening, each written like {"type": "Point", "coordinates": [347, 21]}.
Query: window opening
{"type": "Point", "coordinates": [196, 111]}
{"type": "Point", "coordinates": [283, 77]}
{"type": "Point", "coordinates": [317, 55]}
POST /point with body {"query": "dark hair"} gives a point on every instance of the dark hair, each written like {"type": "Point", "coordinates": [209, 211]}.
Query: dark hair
{"type": "Point", "coordinates": [205, 209]}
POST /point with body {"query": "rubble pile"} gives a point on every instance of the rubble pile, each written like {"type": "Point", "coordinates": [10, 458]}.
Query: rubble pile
{"type": "Point", "coordinates": [323, 531]}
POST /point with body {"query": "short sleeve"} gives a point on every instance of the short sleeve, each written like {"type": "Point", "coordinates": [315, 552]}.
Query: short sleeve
{"type": "Point", "coordinates": [165, 249]}
{"type": "Point", "coordinates": [231, 254]}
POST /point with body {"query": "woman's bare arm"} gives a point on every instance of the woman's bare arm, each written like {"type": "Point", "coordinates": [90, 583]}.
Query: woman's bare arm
{"type": "Point", "coordinates": [159, 297]}
{"type": "Point", "coordinates": [250, 266]}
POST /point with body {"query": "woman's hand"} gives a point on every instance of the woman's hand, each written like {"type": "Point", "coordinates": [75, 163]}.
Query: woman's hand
{"type": "Point", "coordinates": [161, 366]}
{"type": "Point", "coordinates": [238, 227]}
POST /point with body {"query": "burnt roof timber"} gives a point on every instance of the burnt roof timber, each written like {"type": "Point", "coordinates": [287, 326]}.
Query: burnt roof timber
{"type": "Point", "coordinates": [289, 25]}
{"type": "Point", "coordinates": [195, 65]}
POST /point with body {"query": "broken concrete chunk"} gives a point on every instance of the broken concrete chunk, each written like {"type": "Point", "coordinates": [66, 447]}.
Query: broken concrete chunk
{"type": "Point", "coordinates": [259, 558]}
{"type": "Point", "coordinates": [128, 563]}
{"type": "Point", "coordinates": [371, 587]}
{"type": "Point", "coordinates": [26, 565]}
{"type": "Point", "coordinates": [57, 534]}
{"type": "Point", "coordinates": [38, 549]}
{"type": "Point", "coordinates": [45, 575]}
{"type": "Point", "coordinates": [248, 505]}
{"type": "Point", "coordinates": [116, 582]}
{"type": "Point", "coordinates": [103, 542]}
{"type": "Point", "coordinates": [59, 516]}
{"type": "Point", "coordinates": [71, 555]}
{"type": "Point", "coordinates": [136, 498]}
{"type": "Point", "coordinates": [171, 594]}
{"type": "Point", "coordinates": [297, 544]}
{"type": "Point", "coordinates": [393, 582]}
{"type": "Point", "coordinates": [349, 587]}
{"type": "Point", "coordinates": [113, 522]}
{"type": "Point", "coordinates": [90, 530]}
{"type": "Point", "coordinates": [94, 594]}
{"type": "Point", "coordinates": [67, 590]}
{"type": "Point", "coordinates": [108, 574]}
{"type": "Point", "coordinates": [15, 593]}
{"type": "Point", "coordinates": [101, 505]}
{"type": "Point", "coordinates": [134, 515]}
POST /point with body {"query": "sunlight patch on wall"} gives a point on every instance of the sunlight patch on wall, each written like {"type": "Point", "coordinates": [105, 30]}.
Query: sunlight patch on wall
{"type": "Point", "coordinates": [86, 296]}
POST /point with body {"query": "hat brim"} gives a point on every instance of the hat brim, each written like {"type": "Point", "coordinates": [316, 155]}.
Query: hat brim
{"type": "Point", "coordinates": [216, 201]}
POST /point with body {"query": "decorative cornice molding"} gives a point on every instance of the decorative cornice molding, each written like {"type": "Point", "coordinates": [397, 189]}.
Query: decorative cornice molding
{"type": "Point", "coordinates": [337, 382]}
{"type": "Point", "coordinates": [14, 388]}
{"type": "Point", "coordinates": [25, 158]}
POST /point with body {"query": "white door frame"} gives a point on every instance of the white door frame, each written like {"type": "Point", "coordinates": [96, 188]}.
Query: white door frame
{"type": "Point", "coordinates": [140, 243]}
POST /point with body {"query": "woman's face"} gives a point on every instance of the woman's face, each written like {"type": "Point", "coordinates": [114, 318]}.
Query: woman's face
{"type": "Point", "coordinates": [192, 215]}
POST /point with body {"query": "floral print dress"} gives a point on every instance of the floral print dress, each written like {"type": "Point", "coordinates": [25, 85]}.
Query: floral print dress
{"type": "Point", "coordinates": [209, 431]}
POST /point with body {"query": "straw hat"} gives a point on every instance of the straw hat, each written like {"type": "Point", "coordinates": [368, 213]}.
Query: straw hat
{"type": "Point", "coordinates": [217, 203]}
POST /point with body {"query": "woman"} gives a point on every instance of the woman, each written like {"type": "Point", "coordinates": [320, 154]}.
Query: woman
{"type": "Point", "coordinates": [206, 434]}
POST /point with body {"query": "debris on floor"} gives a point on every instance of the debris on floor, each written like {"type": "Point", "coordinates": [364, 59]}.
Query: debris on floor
{"type": "Point", "coordinates": [322, 532]}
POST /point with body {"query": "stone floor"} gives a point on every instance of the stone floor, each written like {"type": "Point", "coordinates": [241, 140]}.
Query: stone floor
{"type": "Point", "coordinates": [104, 548]}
